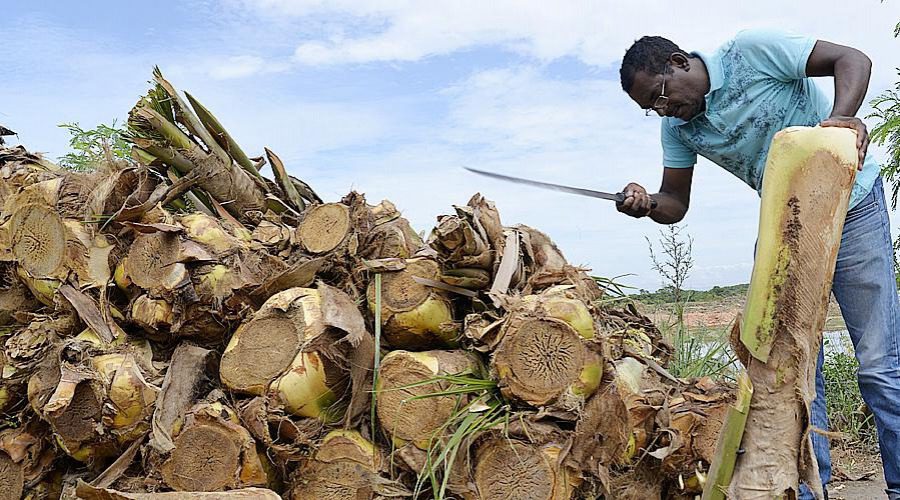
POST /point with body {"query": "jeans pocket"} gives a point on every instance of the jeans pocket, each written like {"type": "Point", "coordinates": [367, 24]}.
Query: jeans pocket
{"type": "Point", "coordinates": [867, 206]}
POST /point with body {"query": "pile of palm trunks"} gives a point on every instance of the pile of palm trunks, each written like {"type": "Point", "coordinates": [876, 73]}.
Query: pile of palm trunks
{"type": "Point", "coordinates": [178, 325]}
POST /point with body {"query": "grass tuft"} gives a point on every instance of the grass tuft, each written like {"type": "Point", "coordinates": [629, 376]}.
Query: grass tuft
{"type": "Point", "coordinates": [847, 413]}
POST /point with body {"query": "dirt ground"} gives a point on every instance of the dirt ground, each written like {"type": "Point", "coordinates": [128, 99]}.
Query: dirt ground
{"type": "Point", "coordinates": [857, 475]}
{"type": "Point", "coordinates": [722, 313]}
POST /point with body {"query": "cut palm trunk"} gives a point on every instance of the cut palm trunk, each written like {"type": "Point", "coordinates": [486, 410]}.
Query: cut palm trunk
{"type": "Point", "coordinates": [213, 452]}
{"type": "Point", "coordinates": [49, 247]}
{"type": "Point", "coordinates": [416, 315]}
{"type": "Point", "coordinates": [190, 277]}
{"type": "Point", "coordinates": [345, 466]}
{"type": "Point", "coordinates": [324, 227]}
{"type": "Point", "coordinates": [510, 468]}
{"type": "Point", "coordinates": [414, 403]}
{"type": "Point", "coordinates": [548, 355]}
{"type": "Point", "coordinates": [807, 183]}
{"type": "Point", "coordinates": [294, 351]}
{"type": "Point", "coordinates": [96, 408]}
{"type": "Point", "coordinates": [336, 229]}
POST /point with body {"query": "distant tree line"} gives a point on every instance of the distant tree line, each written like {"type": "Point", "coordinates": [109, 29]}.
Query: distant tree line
{"type": "Point", "coordinates": [667, 294]}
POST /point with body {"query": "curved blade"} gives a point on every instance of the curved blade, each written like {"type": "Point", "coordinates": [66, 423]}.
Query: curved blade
{"type": "Point", "coordinates": [617, 197]}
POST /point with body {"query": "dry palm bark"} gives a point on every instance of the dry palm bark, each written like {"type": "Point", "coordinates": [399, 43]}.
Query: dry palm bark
{"type": "Point", "coordinates": [809, 174]}
{"type": "Point", "coordinates": [391, 237]}
{"type": "Point", "coordinates": [88, 492]}
{"type": "Point", "coordinates": [468, 243]}
{"type": "Point", "coordinates": [25, 460]}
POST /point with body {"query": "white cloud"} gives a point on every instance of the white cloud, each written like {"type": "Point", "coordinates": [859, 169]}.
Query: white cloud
{"type": "Point", "coordinates": [240, 67]}
{"type": "Point", "coordinates": [597, 32]}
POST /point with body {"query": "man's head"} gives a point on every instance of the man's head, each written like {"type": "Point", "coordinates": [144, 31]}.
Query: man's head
{"type": "Point", "coordinates": [661, 77]}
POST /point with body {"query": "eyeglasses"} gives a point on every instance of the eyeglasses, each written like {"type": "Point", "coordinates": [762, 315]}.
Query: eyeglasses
{"type": "Point", "coordinates": [662, 100]}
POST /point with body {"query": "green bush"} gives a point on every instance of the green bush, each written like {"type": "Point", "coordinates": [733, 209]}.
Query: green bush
{"type": "Point", "coordinates": [846, 411]}
{"type": "Point", "coordinates": [93, 146]}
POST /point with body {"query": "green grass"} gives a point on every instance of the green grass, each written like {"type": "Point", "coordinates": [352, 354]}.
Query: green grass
{"type": "Point", "coordinates": [845, 404]}
{"type": "Point", "coordinates": [699, 352]}
{"type": "Point", "coordinates": [479, 408]}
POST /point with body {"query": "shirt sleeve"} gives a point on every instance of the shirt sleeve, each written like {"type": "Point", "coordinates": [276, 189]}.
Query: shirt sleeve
{"type": "Point", "coordinates": [676, 154]}
{"type": "Point", "coordinates": [780, 54]}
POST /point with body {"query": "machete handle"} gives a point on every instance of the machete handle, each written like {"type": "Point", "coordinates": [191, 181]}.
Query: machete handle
{"type": "Point", "coordinates": [621, 199]}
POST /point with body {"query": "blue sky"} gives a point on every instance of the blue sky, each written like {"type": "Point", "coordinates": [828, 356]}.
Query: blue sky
{"type": "Point", "coordinates": [391, 97]}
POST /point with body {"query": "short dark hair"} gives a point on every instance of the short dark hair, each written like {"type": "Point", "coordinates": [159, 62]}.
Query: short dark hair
{"type": "Point", "coordinates": [649, 54]}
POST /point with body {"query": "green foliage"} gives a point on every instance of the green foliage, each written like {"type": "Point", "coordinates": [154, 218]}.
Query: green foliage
{"type": "Point", "coordinates": [846, 411]}
{"type": "Point", "coordinates": [887, 132]}
{"type": "Point", "coordinates": [699, 352]}
{"type": "Point", "coordinates": [666, 295]}
{"type": "Point", "coordinates": [93, 146]}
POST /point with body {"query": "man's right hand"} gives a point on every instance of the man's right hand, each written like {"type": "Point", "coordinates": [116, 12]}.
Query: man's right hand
{"type": "Point", "coordinates": [637, 201]}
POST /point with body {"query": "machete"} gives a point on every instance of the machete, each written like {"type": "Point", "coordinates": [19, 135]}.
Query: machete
{"type": "Point", "coordinates": [616, 197]}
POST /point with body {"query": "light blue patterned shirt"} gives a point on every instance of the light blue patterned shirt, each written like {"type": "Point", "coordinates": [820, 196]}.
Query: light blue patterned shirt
{"type": "Point", "coordinates": [758, 86]}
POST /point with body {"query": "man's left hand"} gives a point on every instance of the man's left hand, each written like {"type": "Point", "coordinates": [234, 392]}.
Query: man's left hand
{"type": "Point", "coordinates": [862, 135]}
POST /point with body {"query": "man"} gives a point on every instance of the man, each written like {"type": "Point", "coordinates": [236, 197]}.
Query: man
{"type": "Point", "coordinates": [727, 106]}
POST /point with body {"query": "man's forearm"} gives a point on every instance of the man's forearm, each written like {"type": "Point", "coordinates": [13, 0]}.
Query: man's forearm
{"type": "Point", "coordinates": [669, 209]}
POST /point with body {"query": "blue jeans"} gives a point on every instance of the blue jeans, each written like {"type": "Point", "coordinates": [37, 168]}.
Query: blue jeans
{"type": "Point", "coordinates": [866, 291]}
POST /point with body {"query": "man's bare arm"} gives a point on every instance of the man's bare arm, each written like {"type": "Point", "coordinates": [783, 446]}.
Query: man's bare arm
{"type": "Point", "coordinates": [850, 69]}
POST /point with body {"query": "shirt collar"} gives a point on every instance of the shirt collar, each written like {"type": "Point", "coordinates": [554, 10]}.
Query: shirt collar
{"type": "Point", "coordinates": [714, 70]}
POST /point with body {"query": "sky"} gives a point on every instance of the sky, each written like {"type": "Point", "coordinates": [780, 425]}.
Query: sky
{"type": "Point", "coordinates": [391, 98]}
